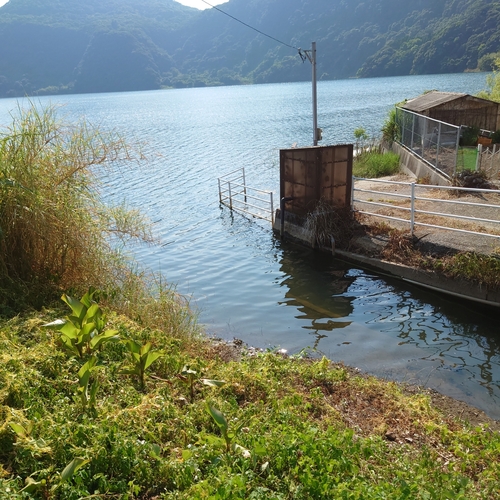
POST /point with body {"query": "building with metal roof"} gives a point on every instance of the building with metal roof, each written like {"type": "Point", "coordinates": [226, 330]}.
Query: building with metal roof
{"type": "Point", "coordinates": [457, 109]}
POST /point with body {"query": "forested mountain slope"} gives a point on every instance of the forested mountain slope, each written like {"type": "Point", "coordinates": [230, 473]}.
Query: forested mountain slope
{"type": "Point", "coordinates": [51, 46]}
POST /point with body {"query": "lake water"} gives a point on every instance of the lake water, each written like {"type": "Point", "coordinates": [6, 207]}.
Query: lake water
{"type": "Point", "coordinates": [247, 284]}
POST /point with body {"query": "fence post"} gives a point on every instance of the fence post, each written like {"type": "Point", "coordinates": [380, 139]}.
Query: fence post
{"type": "Point", "coordinates": [230, 195]}
{"type": "Point", "coordinates": [438, 145]}
{"type": "Point", "coordinates": [412, 211]}
{"type": "Point", "coordinates": [272, 208]}
{"type": "Point", "coordinates": [479, 153]}
{"type": "Point", "coordinates": [457, 147]}
{"type": "Point", "coordinates": [244, 184]}
{"type": "Point", "coordinates": [412, 130]}
{"type": "Point", "coordinates": [220, 192]}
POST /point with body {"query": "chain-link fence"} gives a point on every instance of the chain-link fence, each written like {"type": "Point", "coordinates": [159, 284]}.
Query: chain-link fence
{"type": "Point", "coordinates": [435, 142]}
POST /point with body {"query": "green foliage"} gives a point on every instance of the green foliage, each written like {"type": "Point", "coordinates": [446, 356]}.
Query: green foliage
{"type": "Point", "coordinates": [142, 357]}
{"type": "Point", "coordinates": [469, 136]}
{"type": "Point", "coordinates": [487, 62]}
{"type": "Point", "coordinates": [278, 428]}
{"type": "Point", "coordinates": [59, 47]}
{"type": "Point", "coordinates": [373, 164]}
{"type": "Point", "coordinates": [228, 435]}
{"type": "Point", "coordinates": [493, 82]}
{"type": "Point", "coordinates": [481, 269]}
{"type": "Point", "coordinates": [55, 229]}
{"type": "Point", "coordinates": [87, 390]}
{"type": "Point", "coordinates": [390, 129]}
{"type": "Point", "coordinates": [190, 376]}
{"type": "Point", "coordinates": [83, 332]}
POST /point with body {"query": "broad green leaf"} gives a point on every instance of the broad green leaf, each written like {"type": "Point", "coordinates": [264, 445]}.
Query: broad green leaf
{"type": "Point", "coordinates": [133, 347]}
{"type": "Point", "coordinates": [87, 330]}
{"type": "Point", "coordinates": [93, 313]}
{"type": "Point", "coordinates": [145, 348]}
{"type": "Point", "coordinates": [18, 429]}
{"type": "Point", "coordinates": [32, 485]}
{"type": "Point", "coordinates": [69, 345]}
{"type": "Point", "coordinates": [213, 383]}
{"type": "Point", "coordinates": [218, 417]}
{"type": "Point", "coordinates": [188, 371]}
{"type": "Point", "coordinates": [104, 337]}
{"type": "Point", "coordinates": [151, 358]}
{"type": "Point", "coordinates": [88, 366]}
{"type": "Point", "coordinates": [41, 443]}
{"type": "Point", "coordinates": [69, 330]}
{"type": "Point", "coordinates": [72, 467]}
{"type": "Point", "coordinates": [76, 306]}
{"type": "Point", "coordinates": [93, 392]}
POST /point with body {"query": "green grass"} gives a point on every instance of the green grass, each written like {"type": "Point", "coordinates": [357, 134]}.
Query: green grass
{"type": "Point", "coordinates": [298, 428]}
{"type": "Point", "coordinates": [466, 159]}
{"type": "Point", "coordinates": [373, 164]}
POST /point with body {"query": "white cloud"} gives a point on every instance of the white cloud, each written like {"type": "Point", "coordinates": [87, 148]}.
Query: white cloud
{"type": "Point", "coordinates": [198, 4]}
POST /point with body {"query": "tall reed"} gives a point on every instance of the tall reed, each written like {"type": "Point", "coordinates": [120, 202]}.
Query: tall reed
{"type": "Point", "coordinates": [55, 229]}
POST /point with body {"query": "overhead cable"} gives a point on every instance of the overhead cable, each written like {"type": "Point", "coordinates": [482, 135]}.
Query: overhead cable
{"type": "Point", "coordinates": [255, 29]}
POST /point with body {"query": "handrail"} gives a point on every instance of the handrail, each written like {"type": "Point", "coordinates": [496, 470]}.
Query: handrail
{"type": "Point", "coordinates": [413, 211]}
{"type": "Point", "coordinates": [235, 194]}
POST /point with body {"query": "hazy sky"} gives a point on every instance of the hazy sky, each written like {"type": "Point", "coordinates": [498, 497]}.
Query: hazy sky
{"type": "Point", "coordinates": [191, 3]}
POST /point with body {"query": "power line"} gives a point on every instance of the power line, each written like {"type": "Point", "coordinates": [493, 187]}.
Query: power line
{"type": "Point", "coordinates": [255, 29]}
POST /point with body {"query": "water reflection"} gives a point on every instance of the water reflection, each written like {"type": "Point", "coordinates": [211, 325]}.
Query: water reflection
{"type": "Point", "coordinates": [394, 330]}
{"type": "Point", "coordinates": [317, 290]}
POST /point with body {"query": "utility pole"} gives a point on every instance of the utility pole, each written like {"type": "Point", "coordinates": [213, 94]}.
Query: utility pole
{"type": "Point", "coordinates": [311, 56]}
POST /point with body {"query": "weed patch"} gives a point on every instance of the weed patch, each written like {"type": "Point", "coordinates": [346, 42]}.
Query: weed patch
{"type": "Point", "coordinates": [373, 164]}
{"type": "Point", "coordinates": [277, 427]}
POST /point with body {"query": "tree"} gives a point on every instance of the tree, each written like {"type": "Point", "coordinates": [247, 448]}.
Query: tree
{"type": "Point", "coordinates": [493, 82]}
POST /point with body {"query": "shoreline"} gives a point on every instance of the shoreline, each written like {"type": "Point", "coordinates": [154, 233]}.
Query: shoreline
{"type": "Point", "coordinates": [236, 349]}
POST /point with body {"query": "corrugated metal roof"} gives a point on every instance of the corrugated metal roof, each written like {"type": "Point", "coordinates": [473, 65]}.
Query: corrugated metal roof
{"type": "Point", "coordinates": [431, 100]}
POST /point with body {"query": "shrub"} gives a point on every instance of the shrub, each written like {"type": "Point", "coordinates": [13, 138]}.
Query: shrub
{"type": "Point", "coordinates": [390, 129]}
{"type": "Point", "coordinates": [55, 230]}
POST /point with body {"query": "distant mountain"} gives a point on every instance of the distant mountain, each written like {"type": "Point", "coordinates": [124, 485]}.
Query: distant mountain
{"type": "Point", "coordinates": [56, 46]}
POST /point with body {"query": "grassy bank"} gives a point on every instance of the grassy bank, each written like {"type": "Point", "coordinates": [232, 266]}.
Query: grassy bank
{"type": "Point", "coordinates": [205, 425]}
{"type": "Point", "coordinates": [114, 393]}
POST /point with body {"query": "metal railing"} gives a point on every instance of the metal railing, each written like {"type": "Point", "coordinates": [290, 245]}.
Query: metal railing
{"type": "Point", "coordinates": [235, 194]}
{"type": "Point", "coordinates": [412, 211]}
{"type": "Point", "coordinates": [433, 141]}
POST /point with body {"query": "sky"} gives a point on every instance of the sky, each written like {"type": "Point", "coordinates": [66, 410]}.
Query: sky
{"type": "Point", "coordinates": [198, 4]}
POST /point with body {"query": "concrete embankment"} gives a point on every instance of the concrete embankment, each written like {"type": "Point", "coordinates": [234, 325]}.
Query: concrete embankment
{"type": "Point", "coordinates": [461, 289]}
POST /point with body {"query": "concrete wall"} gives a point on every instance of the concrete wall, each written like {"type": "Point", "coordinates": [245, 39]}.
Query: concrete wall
{"type": "Point", "coordinates": [413, 165]}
